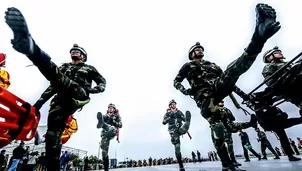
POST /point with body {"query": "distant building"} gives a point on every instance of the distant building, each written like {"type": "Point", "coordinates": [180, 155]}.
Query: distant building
{"type": "Point", "coordinates": [41, 148]}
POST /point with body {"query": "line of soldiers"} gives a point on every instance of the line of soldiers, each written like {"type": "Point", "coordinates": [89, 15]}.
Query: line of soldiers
{"type": "Point", "coordinates": [209, 85]}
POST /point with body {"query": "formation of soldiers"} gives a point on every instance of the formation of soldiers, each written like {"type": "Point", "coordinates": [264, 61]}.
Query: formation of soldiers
{"type": "Point", "coordinates": [209, 85]}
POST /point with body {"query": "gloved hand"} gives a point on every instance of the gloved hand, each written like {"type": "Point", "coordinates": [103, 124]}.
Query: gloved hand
{"type": "Point", "coordinates": [116, 124]}
{"type": "Point", "coordinates": [92, 90]}
{"type": "Point", "coordinates": [22, 41]}
{"type": "Point", "coordinates": [187, 92]}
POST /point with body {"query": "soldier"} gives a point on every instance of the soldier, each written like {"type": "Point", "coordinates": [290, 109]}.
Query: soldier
{"type": "Point", "coordinates": [198, 156]}
{"type": "Point", "coordinates": [246, 144]}
{"type": "Point", "coordinates": [110, 123]}
{"type": "Point", "coordinates": [209, 84]}
{"type": "Point", "coordinates": [150, 161]}
{"type": "Point", "coordinates": [278, 151]}
{"type": "Point", "coordinates": [265, 144]}
{"type": "Point", "coordinates": [176, 128]}
{"type": "Point", "coordinates": [71, 83]}
{"type": "Point", "coordinates": [294, 146]}
{"type": "Point", "coordinates": [274, 60]}
{"type": "Point", "coordinates": [272, 118]}
{"type": "Point", "coordinates": [230, 127]}
{"type": "Point", "coordinates": [288, 82]}
{"type": "Point", "coordinates": [193, 157]}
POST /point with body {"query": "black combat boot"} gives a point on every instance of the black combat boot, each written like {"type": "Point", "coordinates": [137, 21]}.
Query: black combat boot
{"type": "Point", "coordinates": [106, 163]}
{"type": "Point", "coordinates": [233, 159]}
{"type": "Point", "coordinates": [100, 118]}
{"type": "Point", "coordinates": [232, 168]}
{"type": "Point", "coordinates": [181, 165]}
{"type": "Point", "coordinates": [293, 158]}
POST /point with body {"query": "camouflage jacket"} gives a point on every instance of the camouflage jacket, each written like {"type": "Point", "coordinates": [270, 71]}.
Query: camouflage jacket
{"type": "Point", "coordinates": [81, 73]}
{"type": "Point", "coordinates": [113, 120]}
{"type": "Point", "coordinates": [200, 75]}
{"type": "Point", "coordinates": [270, 69]}
{"type": "Point", "coordinates": [174, 119]}
{"type": "Point", "coordinates": [261, 136]}
{"type": "Point", "coordinates": [227, 115]}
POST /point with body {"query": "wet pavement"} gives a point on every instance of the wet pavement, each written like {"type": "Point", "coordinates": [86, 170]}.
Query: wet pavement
{"type": "Point", "coordinates": [264, 165]}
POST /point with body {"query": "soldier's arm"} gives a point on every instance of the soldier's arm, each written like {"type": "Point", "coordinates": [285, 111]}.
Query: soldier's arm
{"type": "Point", "coordinates": [240, 93]}
{"type": "Point", "coordinates": [99, 80]}
{"type": "Point", "coordinates": [166, 118]}
{"type": "Point", "coordinates": [217, 69]}
{"type": "Point", "coordinates": [262, 136]}
{"type": "Point", "coordinates": [119, 123]}
{"type": "Point", "coordinates": [182, 74]}
{"type": "Point", "coordinates": [230, 115]}
{"type": "Point", "coordinates": [182, 116]}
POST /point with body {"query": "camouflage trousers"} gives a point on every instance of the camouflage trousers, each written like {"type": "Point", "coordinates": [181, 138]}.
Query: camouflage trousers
{"type": "Point", "coordinates": [220, 138]}
{"type": "Point", "coordinates": [266, 144]}
{"type": "Point", "coordinates": [108, 133]}
{"type": "Point", "coordinates": [229, 143]}
{"type": "Point", "coordinates": [223, 86]}
{"type": "Point", "coordinates": [175, 136]}
{"type": "Point", "coordinates": [72, 97]}
{"type": "Point", "coordinates": [208, 100]}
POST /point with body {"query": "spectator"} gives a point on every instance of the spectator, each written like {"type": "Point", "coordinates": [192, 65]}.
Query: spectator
{"type": "Point", "coordinates": [18, 154]}
{"type": "Point", "coordinates": [2, 160]}
{"type": "Point", "coordinates": [299, 143]}
{"type": "Point", "coordinates": [32, 161]}
{"type": "Point", "coordinates": [42, 162]}
{"type": "Point", "coordinates": [64, 160]}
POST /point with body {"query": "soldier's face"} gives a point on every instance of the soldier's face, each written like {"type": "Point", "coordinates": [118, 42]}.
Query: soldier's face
{"type": "Point", "coordinates": [76, 55]}
{"type": "Point", "coordinates": [198, 53]}
{"type": "Point", "coordinates": [173, 105]}
{"type": "Point", "coordinates": [278, 55]}
{"type": "Point", "coordinates": [111, 109]}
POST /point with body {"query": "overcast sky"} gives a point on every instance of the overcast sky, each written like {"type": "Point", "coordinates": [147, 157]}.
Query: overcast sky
{"type": "Point", "coordinates": [139, 46]}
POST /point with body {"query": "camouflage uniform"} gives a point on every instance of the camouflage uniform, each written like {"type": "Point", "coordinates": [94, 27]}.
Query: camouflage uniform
{"type": "Point", "coordinates": [70, 83]}
{"type": "Point", "coordinates": [198, 156]}
{"type": "Point", "coordinates": [193, 156]}
{"type": "Point", "coordinates": [110, 124]}
{"type": "Point", "coordinates": [246, 141]}
{"type": "Point", "coordinates": [231, 127]}
{"type": "Point", "coordinates": [272, 118]}
{"type": "Point", "coordinates": [265, 144]}
{"type": "Point", "coordinates": [286, 83]}
{"type": "Point", "coordinates": [270, 68]}
{"type": "Point", "coordinates": [176, 128]}
{"type": "Point", "coordinates": [209, 84]}
{"type": "Point", "coordinates": [71, 88]}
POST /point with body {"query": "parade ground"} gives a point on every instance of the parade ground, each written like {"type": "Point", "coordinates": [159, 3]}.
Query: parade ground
{"type": "Point", "coordinates": [264, 165]}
